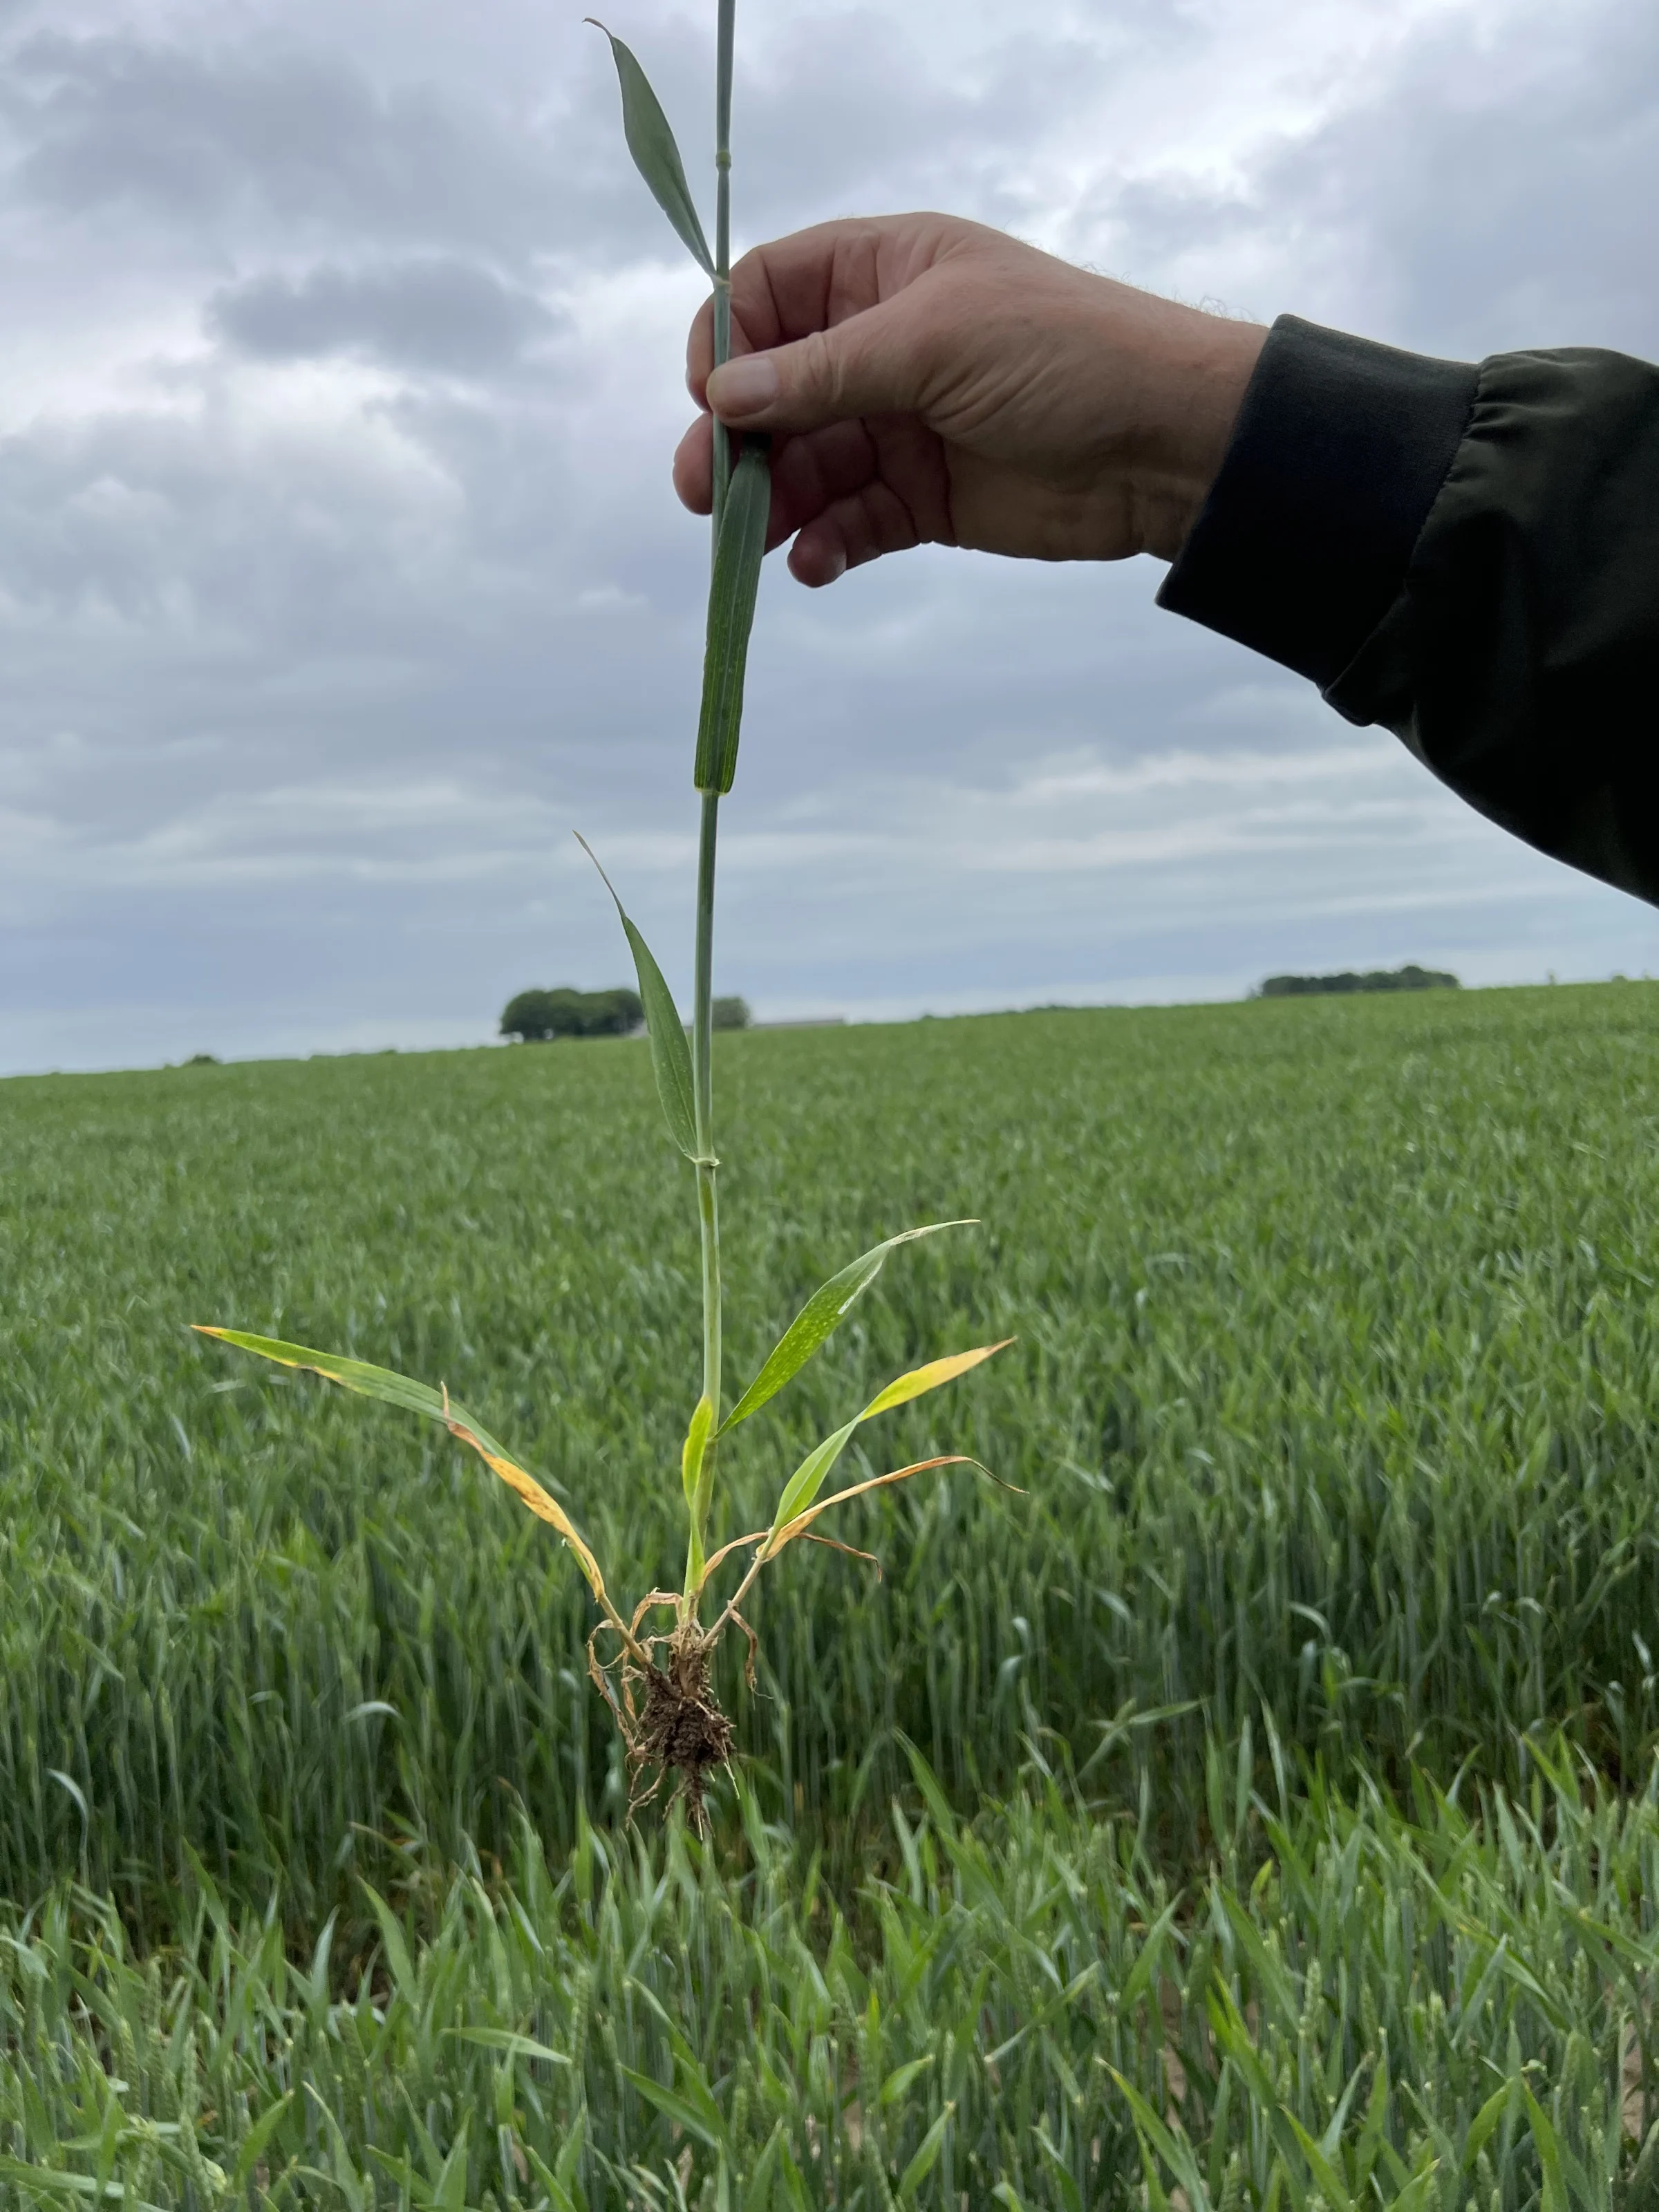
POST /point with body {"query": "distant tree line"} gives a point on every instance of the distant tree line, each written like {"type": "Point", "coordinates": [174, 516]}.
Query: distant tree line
{"type": "Point", "coordinates": [534, 1017]}
{"type": "Point", "coordinates": [1409, 978]}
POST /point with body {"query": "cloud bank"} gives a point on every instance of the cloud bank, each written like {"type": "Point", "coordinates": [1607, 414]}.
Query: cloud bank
{"type": "Point", "coordinates": [340, 576]}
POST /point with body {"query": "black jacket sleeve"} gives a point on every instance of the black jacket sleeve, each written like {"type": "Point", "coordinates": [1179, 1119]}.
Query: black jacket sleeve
{"type": "Point", "coordinates": [1468, 555]}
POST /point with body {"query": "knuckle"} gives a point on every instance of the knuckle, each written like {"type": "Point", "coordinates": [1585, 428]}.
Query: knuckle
{"type": "Point", "coordinates": [819, 372]}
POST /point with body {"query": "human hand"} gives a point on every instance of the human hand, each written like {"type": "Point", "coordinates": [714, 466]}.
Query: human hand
{"type": "Point", "coordinates": [929, 380]}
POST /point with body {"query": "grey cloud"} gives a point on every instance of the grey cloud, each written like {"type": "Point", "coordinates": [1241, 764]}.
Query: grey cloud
{"type": "Point", "coordinates": [1497, 200]}
{"type": "Point", "coordinates": [432, 312]}
{"type": "Point", "coordinates": [1471, 199]}
{"type": "Point", "coordinates": [210, 138]}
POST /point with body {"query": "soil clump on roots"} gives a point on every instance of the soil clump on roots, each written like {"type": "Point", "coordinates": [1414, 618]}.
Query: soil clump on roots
{"type": "Point", "coordinates": [673, 1721]}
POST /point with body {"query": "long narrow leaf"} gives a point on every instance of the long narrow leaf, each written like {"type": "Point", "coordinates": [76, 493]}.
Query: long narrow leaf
{"type": "Point", "coordinates": [695, 1445]}
{"type": "Point", "coordinates": [921, 1380]}
{"type": "Point", "coordinates": [1158, 2141]}
{"type": "Point", "coordinates": [818, 1319]}
{"type": "Point", "coordinates": [809, 1478]}
{"type": "Point", "coordinates": [737, 555]}
{"type": "Point", "coordinates": [671, 1055]}
{"type": "Point", "coordinates": [927, 2157]}
{"type": "Point", "coordinates": [356, 1375]}
{"type": "Point", "coordinates": [656, 155]}
{"type": "Point", "coordinates": [800, 1526]}
{"type": "Point", "coordinates": [679, 2109]}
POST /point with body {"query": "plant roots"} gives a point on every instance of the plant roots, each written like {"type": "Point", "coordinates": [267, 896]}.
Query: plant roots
{"type": "Point", "coordinates": [671, 1719]}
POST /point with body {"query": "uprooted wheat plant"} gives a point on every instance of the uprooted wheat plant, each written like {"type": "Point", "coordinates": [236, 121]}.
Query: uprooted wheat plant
{"type": "Point", "coordinates": [658, 1684]}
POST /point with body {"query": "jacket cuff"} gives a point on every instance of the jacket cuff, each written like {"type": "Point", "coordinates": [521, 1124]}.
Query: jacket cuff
{"type": "Point", "coordinates": [1339, 450]}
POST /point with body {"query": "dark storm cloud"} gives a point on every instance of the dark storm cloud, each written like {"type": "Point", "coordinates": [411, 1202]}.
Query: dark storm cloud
{"type": "Point", "coordinates": [432, 312]}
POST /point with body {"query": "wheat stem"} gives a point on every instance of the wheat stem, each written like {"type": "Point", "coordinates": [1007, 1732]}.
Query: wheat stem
{"type": "Point", "coordinates": [703, 986]}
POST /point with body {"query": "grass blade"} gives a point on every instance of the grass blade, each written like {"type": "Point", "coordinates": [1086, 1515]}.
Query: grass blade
{"type": "Point", "coordinates": [801, 1525]}
{"type": "Point", "coordinates": [809, 1478]}
{"type": "Point", "coordinates": [921, 1380]}
{"type": "Point", "coordinates": [671, 1055]}
{"type": "Point", "coordinates": [656, 155]}
{"type": "Point", "coordinates": [678, 2109]}
{"type": "Point", "coordinates": [695, 1445]}
{"type": "Point", "coordinates": [737, 555]}
{"type": "Point", "coordinates": [818, 1319]}
{"type": "Point", "coordinates": [925, 2159]}
{"type": "Point", "coordinates": [356, 1375]}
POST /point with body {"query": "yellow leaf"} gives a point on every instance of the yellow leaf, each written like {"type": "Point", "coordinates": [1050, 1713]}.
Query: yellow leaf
{"type": "Point", "coordinates": [921, 1380]}
{"type": "Point", "coordinates": [540, 1503]}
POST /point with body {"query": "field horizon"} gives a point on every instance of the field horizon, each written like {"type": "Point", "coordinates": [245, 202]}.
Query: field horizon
{"type": "Point", "coordinates": [853, 1021]}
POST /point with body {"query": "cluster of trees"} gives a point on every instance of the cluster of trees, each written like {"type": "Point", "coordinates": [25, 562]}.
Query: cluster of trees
{"type": "Point", "coordinates": [535, 1016]}
{"type": "Point", "coordinates": [1408, 978]}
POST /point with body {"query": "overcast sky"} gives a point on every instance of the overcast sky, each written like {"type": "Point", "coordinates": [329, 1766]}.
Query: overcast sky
{"type": "Point", "coordinates": [341, 578]}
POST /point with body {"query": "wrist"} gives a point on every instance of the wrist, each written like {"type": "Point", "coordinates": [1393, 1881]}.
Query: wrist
{"type": "Point", "coordinates": [1186, 385]}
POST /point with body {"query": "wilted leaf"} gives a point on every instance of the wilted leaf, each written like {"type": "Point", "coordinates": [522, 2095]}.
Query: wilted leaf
{"type": "Point", "coordinates": [801, 1525]}
{"type": "Point", "coordinates": [809, 1478]}
{"type": "Point", "coordinates": [671, 1055]}
{"type": "Point", "coordinates": [818, 1318]}
{"type": "Point", "coordinates": [394, 1389]}
{"type": "Point", "coordinates": [656, 155]}
{"type": "Point", "coordinates": [737, 555]}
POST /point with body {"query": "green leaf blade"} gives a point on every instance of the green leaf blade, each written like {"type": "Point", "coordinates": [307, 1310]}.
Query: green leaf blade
{"type": "Point", "coordinates": [803, 1487]}
{"type": "Point", "coordinates": [671, 1055]}
{"type": "Point", "coordinates": [927, 2157]}
{"type": "Point", "coordinates": [810, 1477]}
{"type": "Point", "coordinates": [678, 2109]}
{"type": "Point", "coordinates": [656, 155]}
{"type": "Point", "coordinates": [695, 1445]}
{"type": "Point", "coordinates": [818, 1319]}
{"type": "Point", "coordinates": [356, 1375]}
{"type": "Point", "coordinates": [737, 555]}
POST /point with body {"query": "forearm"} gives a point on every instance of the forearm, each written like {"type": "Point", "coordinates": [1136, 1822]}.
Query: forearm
{"type": "Point", "coordinates": [1469, 556]}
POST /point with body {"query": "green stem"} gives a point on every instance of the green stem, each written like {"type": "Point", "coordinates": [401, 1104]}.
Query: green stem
{"type": "Point", "coordinates": [702, 1080]}
{"type": "Point", "coordinates": [703, 1072]}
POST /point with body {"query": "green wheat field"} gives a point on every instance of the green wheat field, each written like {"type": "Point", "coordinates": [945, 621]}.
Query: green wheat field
{"type": "Point", "coordinates": [1260, 1811]}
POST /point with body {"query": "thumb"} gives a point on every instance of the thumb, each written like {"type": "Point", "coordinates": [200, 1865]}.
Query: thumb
{"type": "Point", "coordinates": [861, 366]}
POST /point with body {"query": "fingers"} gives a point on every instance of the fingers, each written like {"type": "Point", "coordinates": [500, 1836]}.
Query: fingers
{"type": "Point", "coordinates": [827, 494]}
{"type": "Point", "coordinates": [852, 531]}
{"type": "Point", "coordinates": [817, 278]}
{"type": "Point", "coordinates": [808, 474]}
{"type": "Point", "coordinates": [811, 474]}
{"type": "Point", "coordinates": [694, 467]}
{"type": "Point", "coordinates": [783, 290]}
{"type": "Point", "coordinates": [867, 365]}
